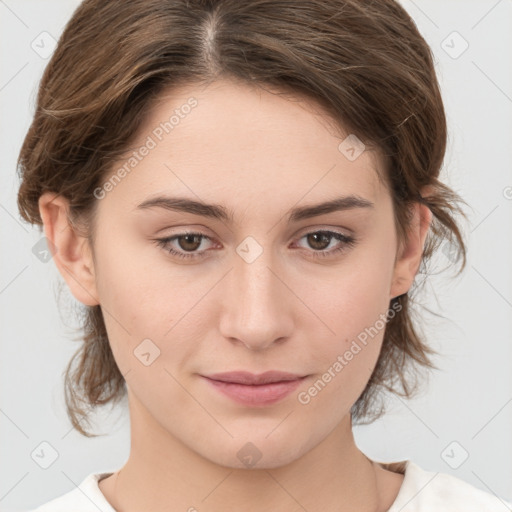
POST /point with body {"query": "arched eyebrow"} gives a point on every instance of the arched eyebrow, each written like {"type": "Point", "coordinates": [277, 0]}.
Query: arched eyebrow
{"type": "Point", "coordinates": [219, 212]}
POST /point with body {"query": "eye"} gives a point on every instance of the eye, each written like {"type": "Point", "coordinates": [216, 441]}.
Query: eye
{"type": "Point", "coordinates": [188, 244]}
{"type": "Point", "coordinates": [319, 240]}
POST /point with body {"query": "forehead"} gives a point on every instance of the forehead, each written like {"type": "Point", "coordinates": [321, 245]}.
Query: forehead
{"type": "Point", "coordinates": [231, 137]}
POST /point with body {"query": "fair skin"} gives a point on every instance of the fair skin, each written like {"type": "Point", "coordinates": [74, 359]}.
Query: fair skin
{"type": "Point", "coordinates": [258, 155]}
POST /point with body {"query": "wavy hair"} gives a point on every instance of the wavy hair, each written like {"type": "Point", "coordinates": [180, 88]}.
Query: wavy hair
{"type": "Point", "coordinates": [363, 60]}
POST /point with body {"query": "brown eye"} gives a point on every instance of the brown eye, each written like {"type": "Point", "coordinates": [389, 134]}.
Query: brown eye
{"type": "Point", "coordinates": [180, 245]}
{"type": "Point", "coordinates": [191, 242]}
{"type": "Point", "coordinates": [319, 240]}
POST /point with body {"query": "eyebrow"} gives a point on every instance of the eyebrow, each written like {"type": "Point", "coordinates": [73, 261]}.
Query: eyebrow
{"type": "Point", "coordinates": [219, 212]}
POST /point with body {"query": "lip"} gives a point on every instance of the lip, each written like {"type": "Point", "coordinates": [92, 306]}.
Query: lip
{"type": "Point", "coordinates": [255, 390]}
{"type": "Point", "coordinates": [248, 378]}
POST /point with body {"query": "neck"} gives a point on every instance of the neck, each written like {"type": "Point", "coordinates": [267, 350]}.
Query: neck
{"type": "Point", "coordinates": [163, 474]}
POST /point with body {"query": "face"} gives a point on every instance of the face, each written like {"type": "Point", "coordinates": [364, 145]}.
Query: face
{"type": "Point", "coordinates": [254, 284]}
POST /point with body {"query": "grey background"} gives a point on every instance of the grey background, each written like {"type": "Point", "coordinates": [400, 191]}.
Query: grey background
{"type": "Point", "coordinates": [466, 407]}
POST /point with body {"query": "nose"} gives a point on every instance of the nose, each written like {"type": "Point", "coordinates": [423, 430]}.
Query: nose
{"type": "Point", "coordinates": [257, 305]}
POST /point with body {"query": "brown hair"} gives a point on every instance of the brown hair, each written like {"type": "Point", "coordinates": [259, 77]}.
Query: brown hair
{"type": "Point", "coordinates": [365, 61]}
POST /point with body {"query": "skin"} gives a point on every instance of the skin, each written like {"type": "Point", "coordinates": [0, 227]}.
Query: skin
{"type": "Point", "coordinates": [259, 155]}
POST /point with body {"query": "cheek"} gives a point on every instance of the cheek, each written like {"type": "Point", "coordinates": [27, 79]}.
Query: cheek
{"type": "Point", "coordinates": [133, 280]}
{"type": "Point", "coordinates": [353, 310]}
{"type": "Point", "coordinates": [141, 302]}
{"type": "Point", "coordinates": [346, 359]}
{"type": "Point", "coordinates": [355, 298]}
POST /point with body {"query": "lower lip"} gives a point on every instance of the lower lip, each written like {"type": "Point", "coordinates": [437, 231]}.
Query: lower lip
{"type": "Point", "coordinates": [254, 395]}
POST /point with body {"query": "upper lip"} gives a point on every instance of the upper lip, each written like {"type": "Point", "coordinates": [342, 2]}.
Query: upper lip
{"type": "Point", "coordinates": [242, 377]}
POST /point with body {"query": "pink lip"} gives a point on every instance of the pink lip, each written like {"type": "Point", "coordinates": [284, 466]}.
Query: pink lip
{"type": "Point", "coordinates": [250, 389]}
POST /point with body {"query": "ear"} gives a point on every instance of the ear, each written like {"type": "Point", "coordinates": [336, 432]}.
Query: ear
{"type": "Point", "coordinates": [408, 259]}
{"type": "Point", "coordinates": [70, 251]}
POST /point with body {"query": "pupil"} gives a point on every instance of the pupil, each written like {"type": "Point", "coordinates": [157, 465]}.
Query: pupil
{"type": "Point", "coordinates": [188, 239]}
{"type": "Point", "coordinates": [315, 238]}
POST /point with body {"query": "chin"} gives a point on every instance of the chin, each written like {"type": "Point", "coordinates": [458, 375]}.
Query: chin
{"type": "Point", "coordinates": [257, 452]}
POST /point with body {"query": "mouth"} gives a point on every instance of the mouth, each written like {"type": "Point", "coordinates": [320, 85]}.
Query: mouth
{"type": "Point", "coordinates": [255, 390]}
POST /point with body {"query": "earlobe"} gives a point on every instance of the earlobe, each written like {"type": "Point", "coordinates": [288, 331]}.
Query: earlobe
{"type": "Point", "coordinates": [408, 261]}
{"type": "Point", "coordinates": [72, 253]}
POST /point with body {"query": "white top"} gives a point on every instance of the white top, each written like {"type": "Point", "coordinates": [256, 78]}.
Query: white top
{"type": "Point", "coordinates": [421, 491]}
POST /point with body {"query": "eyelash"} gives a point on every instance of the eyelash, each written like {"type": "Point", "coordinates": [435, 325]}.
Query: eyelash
{"type": "Point", "coordinates": [348, 242]}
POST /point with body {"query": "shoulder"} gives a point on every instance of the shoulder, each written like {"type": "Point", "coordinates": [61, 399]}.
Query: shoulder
{"type": "Point", "coordinates": [87, 497]}
{"type": "Point", "coordinates": [426, 491]}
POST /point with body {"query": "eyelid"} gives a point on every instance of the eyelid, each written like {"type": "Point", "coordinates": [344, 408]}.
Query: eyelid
{"type": "Point", "coordinates": [347, 242]}
{"type": "Point", "coordinates": [192, 230]}
{"type": "Point", "coordinates": [314, 229]}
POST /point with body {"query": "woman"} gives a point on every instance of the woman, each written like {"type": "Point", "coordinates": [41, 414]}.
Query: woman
{"type": "Point", "coordinates": [241, 194]}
